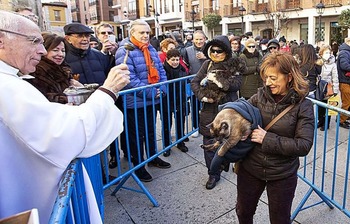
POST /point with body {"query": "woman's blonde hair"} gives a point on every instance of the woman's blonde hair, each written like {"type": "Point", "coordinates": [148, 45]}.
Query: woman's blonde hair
{"type": "Point", "coordinates": [165, 43]}
{"type": "Point", "coordinates": [323, 48]}
{"type": "Point", "coordinates": [286, 64]}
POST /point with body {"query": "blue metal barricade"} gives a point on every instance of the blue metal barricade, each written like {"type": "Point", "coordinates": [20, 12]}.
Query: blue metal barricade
{"type": "Point", "coordinates": [71, 204]}
{"type": "Point", "coordinates": [72, 209]}
{"type": "Point", "coordinates": [326, 168]}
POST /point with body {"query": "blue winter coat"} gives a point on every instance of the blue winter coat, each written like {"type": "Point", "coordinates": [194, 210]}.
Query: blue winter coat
{"type": "Point", "coordinates": [343, 63]}
{"type": "Point", "coordinates": [139, 74]}
{"type": "Point", "coordinates": [91, 65]}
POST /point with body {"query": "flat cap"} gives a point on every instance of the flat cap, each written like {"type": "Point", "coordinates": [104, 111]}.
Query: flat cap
{"type": "Point", "coordinates": [76, 28]}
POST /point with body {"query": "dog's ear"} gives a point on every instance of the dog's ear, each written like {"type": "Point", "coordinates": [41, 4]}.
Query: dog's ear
{"type": "Point", "coordinates": [209, 126]}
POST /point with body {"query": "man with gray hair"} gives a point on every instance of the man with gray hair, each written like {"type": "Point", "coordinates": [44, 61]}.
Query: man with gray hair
{"type": "Point", "coordinates": [38, 139]}
{"type": "Point", "coordinates": [145, 69]}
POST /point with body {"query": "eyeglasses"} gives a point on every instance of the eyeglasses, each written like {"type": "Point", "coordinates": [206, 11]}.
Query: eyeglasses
{"type": "Point", "coordinates": [218, 51]}
{"type": "Point", "coordinates": [272, 47]}
{"type": "Point", "coordinates": [104, 33]}
{"type": "Point", "coordinates": [251, 46]}
{"type": "Point", "coordinates": [33, 39]}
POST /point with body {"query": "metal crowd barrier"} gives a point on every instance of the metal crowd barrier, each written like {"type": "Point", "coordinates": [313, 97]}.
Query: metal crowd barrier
{"type": "Point", "coordinates": [67, 202]}
{"type": "Point", "coordinates": [326, 168]}
{"type": "Point", "coordinates": [71, 205]}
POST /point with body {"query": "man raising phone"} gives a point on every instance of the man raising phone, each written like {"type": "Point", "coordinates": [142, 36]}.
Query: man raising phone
{"type": "Point", "coordinates": [107, 39]}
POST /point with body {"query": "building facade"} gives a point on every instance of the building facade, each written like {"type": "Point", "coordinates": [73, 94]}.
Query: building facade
{"type": "Point", "coordinates": [294, 19]}
{"type": "Point", "coordinates": [55, 16]}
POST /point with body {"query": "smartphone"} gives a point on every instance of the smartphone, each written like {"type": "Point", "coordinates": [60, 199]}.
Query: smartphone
{"type": "Point", "coordinates": [111, 38]}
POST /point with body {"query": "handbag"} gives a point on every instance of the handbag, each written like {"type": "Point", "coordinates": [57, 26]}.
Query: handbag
{"type": "Point", "coordinates": [324, 89]}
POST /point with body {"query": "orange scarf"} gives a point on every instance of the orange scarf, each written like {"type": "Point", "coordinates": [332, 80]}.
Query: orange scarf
{"type": "Point", "coordinates": [153, 76]}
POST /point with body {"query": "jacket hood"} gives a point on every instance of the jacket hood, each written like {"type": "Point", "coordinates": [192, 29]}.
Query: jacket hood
{"type": "Point", "coordinates": [345, 47]}
{"type": "Point", "coordinates": [219, 41]}
{"type": "Point", "coordinates": [244, 108]}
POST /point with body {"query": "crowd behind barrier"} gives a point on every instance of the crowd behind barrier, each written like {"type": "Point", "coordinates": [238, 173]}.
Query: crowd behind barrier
{"type": "Point", "coordinates": [332, 189]}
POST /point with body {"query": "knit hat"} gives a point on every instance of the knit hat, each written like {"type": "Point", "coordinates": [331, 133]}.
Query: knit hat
{"type": "Point", "coordinates": [93, 38]}
{"type": "Point", "coordinates": [264, 41]}
{"type": "Point", "coordinates": [283, 39]}
{"type": "Point", "coordinates": [273, 43]}
{"type": "Point", "coordinates": [219, 41]}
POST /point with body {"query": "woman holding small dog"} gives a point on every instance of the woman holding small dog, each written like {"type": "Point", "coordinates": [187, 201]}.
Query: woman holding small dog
{"type": "Point", "coordinates": [216, 82]}
{"type": "Point", "coordinates": [274, 161]}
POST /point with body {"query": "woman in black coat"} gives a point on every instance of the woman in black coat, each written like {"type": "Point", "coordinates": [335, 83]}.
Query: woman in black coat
{"type": "Point", "coordinates": [273, 163]}
{"type": "Point", "coordinates": [220, 63]}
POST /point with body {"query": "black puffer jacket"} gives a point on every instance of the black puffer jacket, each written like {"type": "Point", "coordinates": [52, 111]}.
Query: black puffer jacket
{"type": "Point", "coordinates": [209, 110]}
{"type": "Point", "coordinates": [288, 139]}
{"type": "Point", "coordinates": [91, 65]}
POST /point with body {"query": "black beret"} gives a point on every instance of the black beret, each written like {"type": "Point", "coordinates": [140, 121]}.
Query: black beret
{"type": "Point", "coordinates": [76, 28]}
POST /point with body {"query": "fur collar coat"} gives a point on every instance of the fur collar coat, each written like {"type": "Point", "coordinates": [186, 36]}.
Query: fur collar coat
{"type": "Point", "coordinates": [51, 80]}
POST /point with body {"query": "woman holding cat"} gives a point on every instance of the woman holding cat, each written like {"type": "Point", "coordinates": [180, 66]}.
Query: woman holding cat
{"type": "Point", "coordinates": [216, 82]}
{"type": "Point", "coordinates": [274, 161]}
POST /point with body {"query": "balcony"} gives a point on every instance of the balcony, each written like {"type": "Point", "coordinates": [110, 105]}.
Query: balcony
{"type": "Point", "coordinates": [330, 3]}
{"type": "Point", "coordinates": [188, 16]}
{"type": "Point", "coordinates": [210, 11]}
{"type": "Point", "coordinates": [230, 11]}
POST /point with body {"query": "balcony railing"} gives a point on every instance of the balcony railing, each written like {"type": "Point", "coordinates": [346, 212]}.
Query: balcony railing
{"type": "Point", "coordinates": [330, 2]}
{"type": "Point", "coordinates": [188, 16]}
{"type": "Point", "coordinates": [210, 11]}
{"type": "Point", "coordinates": [230, 11]}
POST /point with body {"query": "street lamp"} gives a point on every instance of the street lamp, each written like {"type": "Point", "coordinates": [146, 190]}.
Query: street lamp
{"type": "Point", "coordinates": [320, 10]}
{"type": "Point", "coordinates": [156, 21]}
{"type": "Point", "coordinates": [193, 13]}
{"type": "Point", "coordinates": [242, 10]}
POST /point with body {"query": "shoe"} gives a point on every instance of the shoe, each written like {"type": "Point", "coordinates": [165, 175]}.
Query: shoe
{"type": "Point", "coordinates": [157, 162]}
{"type": "Point", "coordinates": [195, 134]}
{"type": "Point", "coordinates": [112, 163]}
{"type": "Point", "coordinates": [182, 147]}
{"type": "Point", "coordinates": [186, 140]}
{"type": "Point", "coordinates": [345, 125]}
{"type": "Point", "coordinates": [322, 128]}
{"type": "Point", "coordinates": [211, 183]}
{"type": "Point", "coordinates": [167, 153]}
{"type": "Point", "coordinates": [319, 125]}
{"type": "Point", "coordinates": [143, 175]}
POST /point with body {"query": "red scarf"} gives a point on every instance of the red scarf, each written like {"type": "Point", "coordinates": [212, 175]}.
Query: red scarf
{"type": "Point", "coordinates": [153, 76]}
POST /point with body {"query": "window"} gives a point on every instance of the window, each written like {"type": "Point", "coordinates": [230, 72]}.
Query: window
{"type": "Point", "coordinates": [111, 16]}
{"type": "Point", "coordinates": [110, 3]}
{"type": "Point", "coordinates": [57, 14]}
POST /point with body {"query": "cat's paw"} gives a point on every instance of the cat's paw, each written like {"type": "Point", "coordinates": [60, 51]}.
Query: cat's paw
{"type": "Point", "coordinates": [204, 82]}
{"type": "Point", "coordinates": [211, 76]}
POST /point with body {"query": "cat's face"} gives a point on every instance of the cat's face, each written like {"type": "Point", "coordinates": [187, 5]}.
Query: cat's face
{"type": "Point", "coordinates": [230, 125]}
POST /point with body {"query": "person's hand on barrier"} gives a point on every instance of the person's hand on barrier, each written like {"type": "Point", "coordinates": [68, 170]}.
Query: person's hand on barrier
{"type": "Point", "coordinates": [118, 77]}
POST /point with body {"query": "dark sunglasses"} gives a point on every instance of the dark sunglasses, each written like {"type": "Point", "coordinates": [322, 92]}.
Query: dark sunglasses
{"type": "Point", "coordinates": [218, 51]}
{"type": "Point", "coordinates": [272, 47]}
{"type": "Point", "coordinates": [104, 33]}
{"type": "Point", "coordinates": [251, 46]}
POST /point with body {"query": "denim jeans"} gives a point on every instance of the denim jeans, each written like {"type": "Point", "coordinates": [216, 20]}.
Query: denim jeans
{"type": "Point", "coordinates": [280, 195]}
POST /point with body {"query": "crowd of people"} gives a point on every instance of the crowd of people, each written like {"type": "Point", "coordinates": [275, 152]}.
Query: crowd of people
{"type": "Point", "coordinates": [271, 74]}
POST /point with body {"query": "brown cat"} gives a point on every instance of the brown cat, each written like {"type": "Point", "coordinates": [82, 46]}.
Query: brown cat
{"type": "Point", "coordinates": [229, 127]}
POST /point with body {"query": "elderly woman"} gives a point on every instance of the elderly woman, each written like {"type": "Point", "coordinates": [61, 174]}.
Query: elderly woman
{"type": "Point", "coordinates": [145, 69]}
{"type": "Point", "coordinates": [273, 163]}
{"type": "Point", "coordinates": [220, 62]}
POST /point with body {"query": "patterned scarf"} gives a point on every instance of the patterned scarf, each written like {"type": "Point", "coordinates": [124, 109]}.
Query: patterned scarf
{"type": "Point", "coordinates": [153, 76]}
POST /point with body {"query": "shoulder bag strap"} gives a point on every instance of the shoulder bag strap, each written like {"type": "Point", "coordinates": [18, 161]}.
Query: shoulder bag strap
{"type": "Point", "coordinates": [278, 117]}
